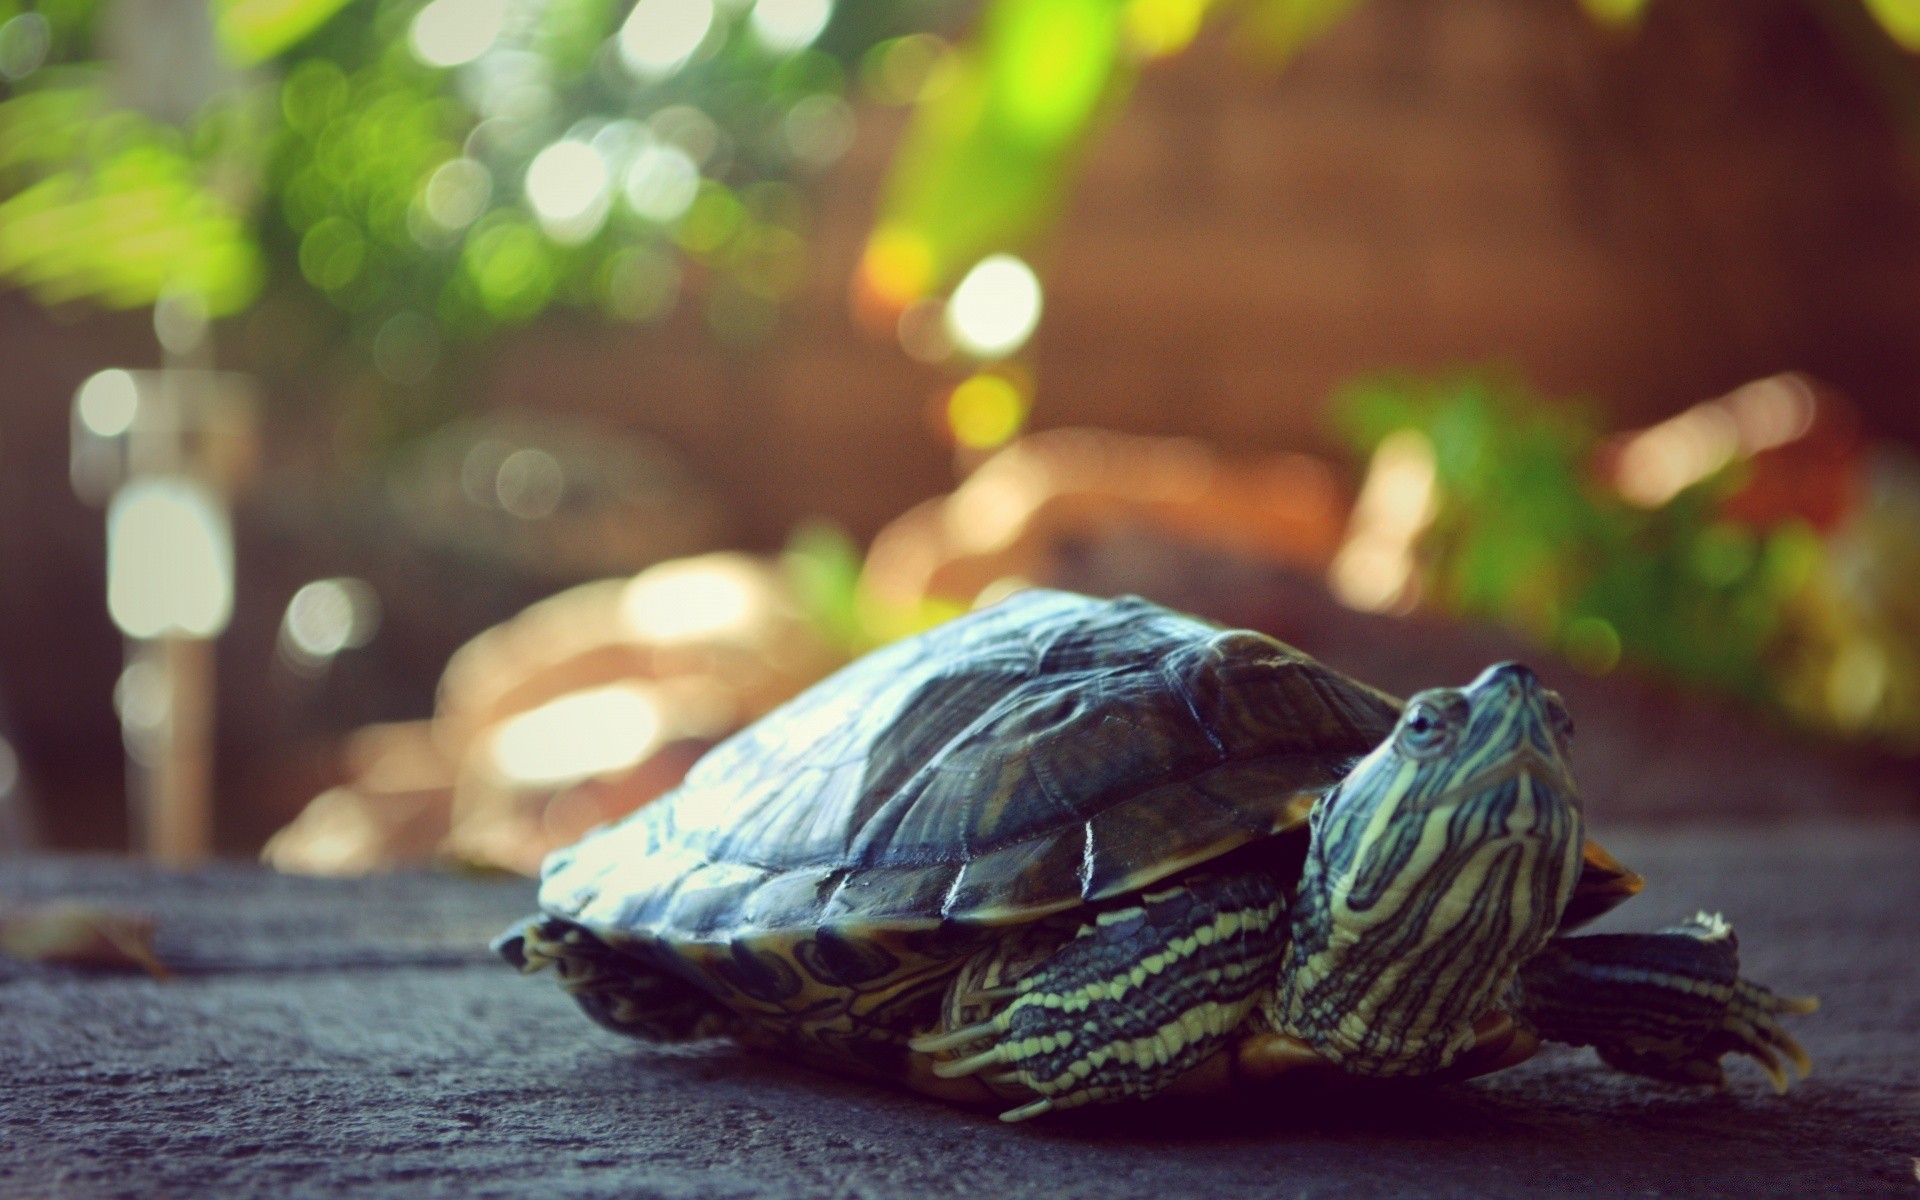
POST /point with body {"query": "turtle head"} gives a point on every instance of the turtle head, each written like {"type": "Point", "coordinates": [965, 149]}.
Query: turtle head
{"type": "Point", "coordinates": [1437, 866]}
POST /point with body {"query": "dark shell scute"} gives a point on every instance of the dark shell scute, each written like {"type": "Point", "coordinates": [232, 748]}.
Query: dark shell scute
{"type": "Point", "coordinates": [837, 958]}
{"type": "Point", "coordinates": [759, 974]}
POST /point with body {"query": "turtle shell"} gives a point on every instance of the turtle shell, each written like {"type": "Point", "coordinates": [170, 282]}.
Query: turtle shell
{"type": "Point", "coordinates": [1047, 752]}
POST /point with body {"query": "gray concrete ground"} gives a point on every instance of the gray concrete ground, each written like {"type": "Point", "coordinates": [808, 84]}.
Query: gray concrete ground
{"type": "Point", "coordinates": [352, 1039]}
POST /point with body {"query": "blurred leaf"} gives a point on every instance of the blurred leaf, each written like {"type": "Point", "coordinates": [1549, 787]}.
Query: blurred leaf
{"type": "Point", "coordinates": [987, 159]}
{"type": "Point", "coordinates": [1617, 13]}
{"type": "Point", "coordinates": [1900, 18]}
{"type": "Point", "coordinates": [253, 31]}
{"type": "Point", "coordinates": [1525, 535]}
{"type": "Point", "coordinates": [1279, 29]}
{"type": "Point", "coordinates": [73, 934]}
{"type": "Point", "coordinates": [114, 208]}
{"type": "Point", "coordinates": [573, 31]}
{"type": "Point", "coordinates": [1156, 28]}
{"type": "Point", "coordinates": [823, 566]}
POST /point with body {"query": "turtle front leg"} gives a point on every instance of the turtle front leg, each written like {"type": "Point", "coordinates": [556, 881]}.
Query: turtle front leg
{"type": "Point", "coordinates": [1129, 1004]}
{"type": "Point", "coordinates": [1667, 1005]}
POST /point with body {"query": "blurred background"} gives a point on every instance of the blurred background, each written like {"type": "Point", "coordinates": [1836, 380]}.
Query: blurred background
{"type": "Point", "coordinates": [428, 426]}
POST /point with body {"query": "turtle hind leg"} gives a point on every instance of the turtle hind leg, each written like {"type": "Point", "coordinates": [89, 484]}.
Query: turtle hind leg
{"type": "Point", "coordinates": [616, 989]}
{"type": "Point", "coordinates": [1130, 1003]}
{"type": "Point", "coordinates": [1667, 1005]}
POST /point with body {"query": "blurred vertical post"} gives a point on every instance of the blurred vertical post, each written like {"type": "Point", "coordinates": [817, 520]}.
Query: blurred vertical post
{"type": "Point", "coordinates": [163, 451]}
{"type": "Point", "coordinates": [17, 831]}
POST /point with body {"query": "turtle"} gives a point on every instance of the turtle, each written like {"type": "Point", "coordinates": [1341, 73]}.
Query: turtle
{"type": "Point", "coordinates": [1064, 850]}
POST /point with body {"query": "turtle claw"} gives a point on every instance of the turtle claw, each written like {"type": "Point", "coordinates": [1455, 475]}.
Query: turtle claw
{"type": "Point", "coordinates": [1776, 1074]}
{"type": "Point", "coordinates": [1751, 1027]}
{"type": "Point", "coordinates": [959, 1068]}
{"type": "Point", "coordinates": [1748, 1027]}
{"type": "Point", "coordinates": [967, 1035]}
{"type": "Point", "coordinates": [1027, 1112]}
{"type": "Point", "coordinates": [1668, 1005]}
{"type": "Point", "coordinates": [939, 1043]}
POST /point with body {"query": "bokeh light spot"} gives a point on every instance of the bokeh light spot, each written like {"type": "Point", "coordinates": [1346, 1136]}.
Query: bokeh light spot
{"type": "Point", "coordinates": [819, 129]}
{"type": "Point", "coordinates": [1901, 19]}
{"type": "Point", "coordinates": [784, 26]}
{"type": "Point", "coordinates": [710, 224]}
{"type": "Point", "coordinates": [108, 403]}
{"type": "Point", "coordinates": [510, 265]}
{"type": "Point", "coordinates": [1592, 645]}
{"type": "Point", "coordinates": [457, 193]}
{"type": "Point", "coordinates": [530, 483]}
{"type": "Point", "coordinates": [169, 560]}
{"type": "Point", "coordinates": [691, 130]}
{"type": "Point", "coordinates": [180, 321]}
{"type": "Point", "coordinates": [447, 33]}
{"type": "Point", "coordinates": [1374, 570]}
{"type": "Point", "coordinates": [586, 733]}
{"type": "Point", "coordinates": [567, 187]}
{"type": "Point", "coordinates": [897, 267]}
{"type": "Point", "coordinates": [985, 411]}
{"type": "Point", "coordinates": [326, 617]}
{"type": "Point", "coordinates": [660, 35]}
{"type": "Point", "coordinates": [314, 93]}
{"type": "Point", "coordinates": [996, 307]}
{"type": "Point", "coordinates": [24, 41]}
{"type": "Point", "coordinates": [1156, 28]}
{"type": "Point", "coordinates": [1658, 463]}
{"type": "Point", "coordinates": [695, 600]}
{"type": "Point", "coordinates": [332, 253]}
{"type": "Point", "coordinates": [1857, 683]}
{"type": "Point", "coordinates": [662, 183]}
{"type": "Point", "coordinates": [900, 71]}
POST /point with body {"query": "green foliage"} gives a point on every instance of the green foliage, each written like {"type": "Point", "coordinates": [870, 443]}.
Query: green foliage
{"type": "Point", "coordinates": [346, 162]}
{"type": "Point", "coordinates": [253, 31]}
{"type": "Point", "coordinates": [1281, 28]}
{"type": "Point", "coordinates": [987, 160]}
{"type": "Point", "coordinates": [108, 204]}
{"type": "Point", "coordinates": [1619, 13]}
{"type": "Point", "coordinates": [823, 568]}
{"type": "Point", "coordinates": [1526, 534]}
{"type": "Point", "coordinates": [1004, 119]}
{"type": "Point", "coordinates": [324, 150]}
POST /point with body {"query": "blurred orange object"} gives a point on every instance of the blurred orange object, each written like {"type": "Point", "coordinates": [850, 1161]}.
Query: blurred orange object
{"type": "Point", "coordinates": [1795, 440]}
{"type": "Point", "coordinates": [593, 702]}
{"type": "Point", "coordinates": [1025, 507]}
{"type": "Point", "coordinates": [393, 812]}
{"type": "Point", "coordinates": [580, 709]}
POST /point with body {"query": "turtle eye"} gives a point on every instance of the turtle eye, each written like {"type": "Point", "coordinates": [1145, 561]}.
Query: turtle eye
{"type": "Point", "coordinates": [1562, 721]}
{"type": "Point", "coordinates": [1430, 725]}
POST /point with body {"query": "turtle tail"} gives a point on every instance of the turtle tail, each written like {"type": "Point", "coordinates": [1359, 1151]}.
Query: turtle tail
{"type": "Point", "coordinates": [617, 989]}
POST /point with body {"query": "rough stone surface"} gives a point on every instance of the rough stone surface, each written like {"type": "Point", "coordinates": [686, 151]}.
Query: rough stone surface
{"type": "Point", "coordinates": [352, 1038]}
